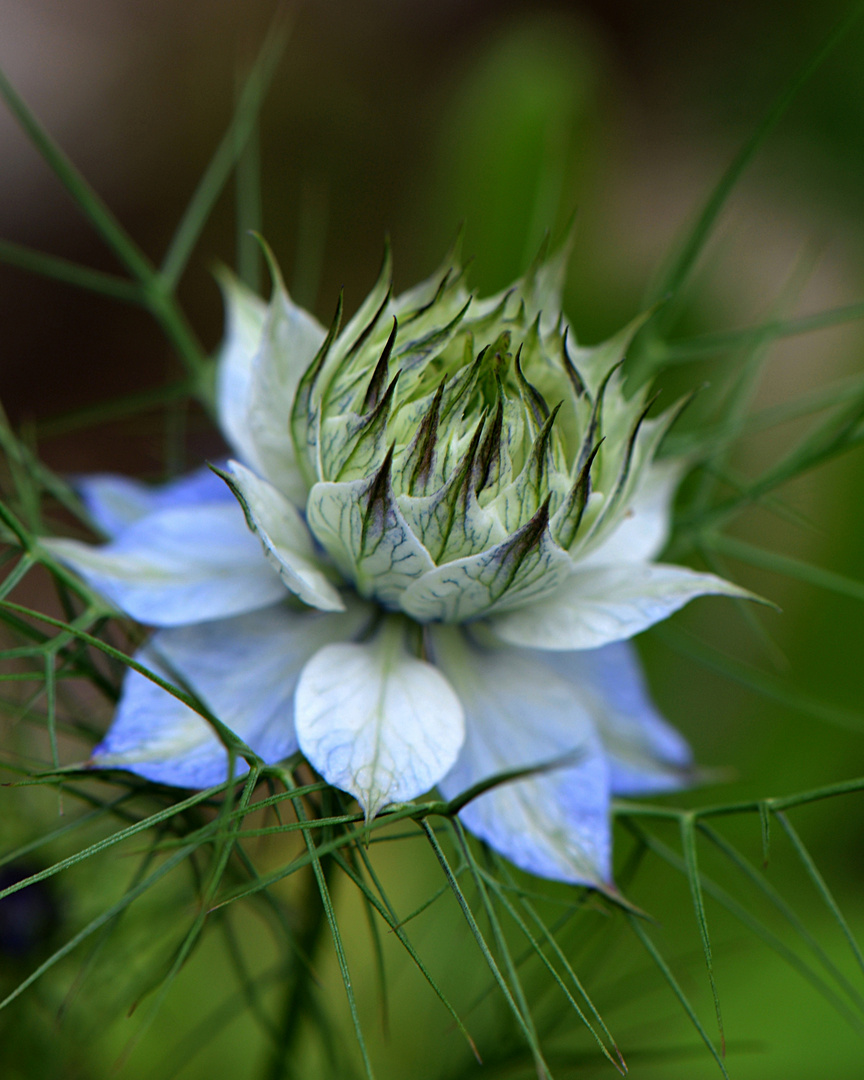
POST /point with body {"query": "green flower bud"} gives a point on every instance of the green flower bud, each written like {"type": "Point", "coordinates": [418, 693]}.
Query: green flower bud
{"type": "Point", "coordinates": [462, 454]}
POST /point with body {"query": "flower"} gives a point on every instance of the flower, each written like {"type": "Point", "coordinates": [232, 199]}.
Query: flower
{"type": "Point", "coordinates": [460, 511]}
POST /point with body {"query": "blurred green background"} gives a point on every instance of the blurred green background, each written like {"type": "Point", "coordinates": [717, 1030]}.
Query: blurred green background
{"type": "Point", "coordinates": [410, 117]}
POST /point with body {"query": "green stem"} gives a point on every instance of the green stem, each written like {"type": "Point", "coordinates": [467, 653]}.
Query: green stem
{"type": "Point", "coordinates": [168, 313]}
{"type": "Point", "coordinates": [298, 993]}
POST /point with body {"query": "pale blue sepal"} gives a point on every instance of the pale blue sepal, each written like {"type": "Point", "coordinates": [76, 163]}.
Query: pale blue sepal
{"type": "Point", "coordinates": [286, 540]}
{"type": "Point", "coordinates": [116, 502]}
{"type": "Point", "coordinates": [375, 720]}
{"type": "Point", "coordinates": [597, 606]}
{"type": "Point", "coordinates": [244, 670]}
{"type": "Point", "coordinates": [646, 755]}
{"type": "Point", "coordinates": [181, 565]}
{"type": "Point", "coordinates": [519, 713]}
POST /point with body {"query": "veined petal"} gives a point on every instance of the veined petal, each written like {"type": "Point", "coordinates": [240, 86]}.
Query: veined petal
{"type": "Point", "coordinates": [181, 565]}
{"type": "Point", "coordinates": [362, 529]}
{"type": "Point", "coordinates": [244, 670]}
{"type": "Point", "coordinates": [644, 529]}
{"type": "Point", "coordinates": [245, 315]}
{"type": "Point", "coordinates": [646, 755]}
{"type": "Point", "coordinates": [286, 540]}
{"type": "Point", "coordinates": [518, 714]}
{"type": "Point", "coordinates": [608, 603]}
{"type": "Point", "coordinates": [446, 524]}
{"type": "Point", "coordinates": [506, 577]}
{"type": "Point", "coordinates": [376, 721]}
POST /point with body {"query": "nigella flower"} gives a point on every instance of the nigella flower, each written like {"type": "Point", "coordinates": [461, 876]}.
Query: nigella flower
{"type": "Point", "coordinates": [459, 511]}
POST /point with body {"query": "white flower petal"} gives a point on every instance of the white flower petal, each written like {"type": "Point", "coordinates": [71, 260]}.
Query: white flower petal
{"type": "Point", "coordinates": [244, 670]}
{"type": "Point", "coordinates": [518, 714]}
{"type": "Point", "coordinates": [245, 315]}
{"type": "Point", "coordinates": [286, 540]}
{"type": "Point", "coordinates": [610, 603]}
{"type": "Point", "coordinates": [289, 342]}
{"type": "Point", "coordinates": [116, 502]}
{"type": "Point", "coordinates": [180, 565]}
{"type": "Point", "coordinates": [376, 721]}
{"type": "Point", "coordinates": [646, 755]}
{"type": "Point", "coordinates": [644, 528]}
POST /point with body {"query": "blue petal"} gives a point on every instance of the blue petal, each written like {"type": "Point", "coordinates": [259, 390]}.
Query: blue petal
{"type": "Point", "coordinates": [116, 502]}
{"type": "Point", "coordinates": [518, 714]}
{"type": "Point", "coordinates": [244, 670]}
{"type": "Point", "coordinates": [179, 565]}
{"type": "Point", "coordinates": [646, 755]}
